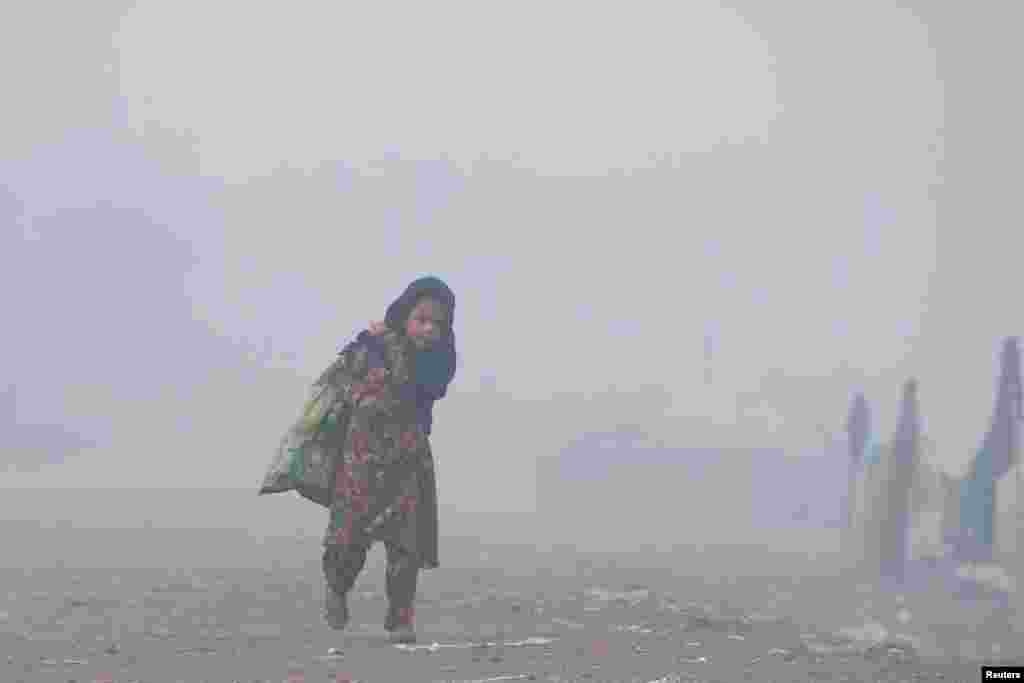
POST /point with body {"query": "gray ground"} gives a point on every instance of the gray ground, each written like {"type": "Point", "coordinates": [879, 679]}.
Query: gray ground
{"type": "Point", "coordinates": [223, 606]}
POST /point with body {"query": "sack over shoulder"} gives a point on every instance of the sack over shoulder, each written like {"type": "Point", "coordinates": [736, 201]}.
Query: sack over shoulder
{"type": "Point", "coordinates": [305, 458]}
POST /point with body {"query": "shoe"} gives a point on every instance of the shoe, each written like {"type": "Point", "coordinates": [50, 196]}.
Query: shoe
{"type": "Point", "coordinates": [402, 635]}
{"type": "Point", "coordinates": [336, 610]}
{"type": "Point", "coordinates": [399, 626]}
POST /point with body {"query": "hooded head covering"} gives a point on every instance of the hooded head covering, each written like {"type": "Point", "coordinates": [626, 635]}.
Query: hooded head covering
{"type": "Point", "coordinates": [399, 310]}
{"type": "Point", "coordinates": [434, 367]}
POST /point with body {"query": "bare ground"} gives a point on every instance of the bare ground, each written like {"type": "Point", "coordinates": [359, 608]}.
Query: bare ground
{"type": "Point", "coordinates": [127, 605]}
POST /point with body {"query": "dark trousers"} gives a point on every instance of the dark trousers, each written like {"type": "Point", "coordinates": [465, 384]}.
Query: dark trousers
{"type": "Point", "coordinates": [342, 565]}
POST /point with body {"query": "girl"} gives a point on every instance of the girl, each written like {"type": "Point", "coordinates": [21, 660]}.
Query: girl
{"type": "Point", "coordinates": [387, 381]}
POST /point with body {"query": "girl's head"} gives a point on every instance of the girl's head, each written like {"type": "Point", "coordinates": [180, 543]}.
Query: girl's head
{"type": "Point", "coordinates": [424, 313]}
{"type": "Point", "coordinates": [426, 322]}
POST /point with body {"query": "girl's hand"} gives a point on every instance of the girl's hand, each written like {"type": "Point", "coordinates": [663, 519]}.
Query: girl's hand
{"type": "Point", "coordinates": [377, 327]}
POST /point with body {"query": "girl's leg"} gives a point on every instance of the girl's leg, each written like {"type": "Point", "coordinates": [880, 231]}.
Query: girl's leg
{"type": "Point", "coordinates": [402, 573]}
{"type": "Point", "coordinates": [341, 565]}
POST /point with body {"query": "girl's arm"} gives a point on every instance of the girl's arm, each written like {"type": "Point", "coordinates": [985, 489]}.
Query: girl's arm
{"type": "Point", "coordinates": [433, 391]}
{"type": "Point", "coordinates": [438, 369]}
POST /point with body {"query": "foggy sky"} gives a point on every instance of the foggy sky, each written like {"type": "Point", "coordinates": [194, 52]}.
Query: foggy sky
{"type": "Point", "coordinates": [209, 200]}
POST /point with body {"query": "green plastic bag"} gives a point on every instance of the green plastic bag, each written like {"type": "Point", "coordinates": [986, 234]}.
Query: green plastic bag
{"type": "Point", "coordinates": [305, 458]}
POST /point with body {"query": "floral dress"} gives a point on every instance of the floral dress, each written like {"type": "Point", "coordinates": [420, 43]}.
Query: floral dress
{"type": "Point", "coordinates": [384, 485]}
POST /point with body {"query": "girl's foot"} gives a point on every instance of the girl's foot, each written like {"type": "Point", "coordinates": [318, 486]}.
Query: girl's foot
{"type": "Point", "coordinates": [336, 610]}
{"type": "Point", "coordinates": [399, 626]}
{"type": "Point", "coordinates": [403, 635]}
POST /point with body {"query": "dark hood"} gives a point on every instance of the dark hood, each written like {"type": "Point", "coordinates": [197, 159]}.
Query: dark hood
{"type": "Point", "coordinates": [435, 367]}
{"type": "Point", "coordinates": [398, 311]}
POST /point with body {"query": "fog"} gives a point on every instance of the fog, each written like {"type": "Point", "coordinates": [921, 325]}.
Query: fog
{"type": "Point", "coordinates": [715, 222]}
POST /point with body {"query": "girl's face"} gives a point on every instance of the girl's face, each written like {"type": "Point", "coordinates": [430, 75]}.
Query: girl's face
{"type": "Point", "coordinates": [425, 323]}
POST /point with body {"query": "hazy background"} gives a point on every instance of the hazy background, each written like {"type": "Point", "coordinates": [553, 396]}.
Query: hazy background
{"type": "Point", "coordinates": [202, 202]}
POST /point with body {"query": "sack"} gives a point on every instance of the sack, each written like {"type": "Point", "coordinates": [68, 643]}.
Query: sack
{"type": "Point", "coordinates": [316, 409]}
{"type": "Point", "coordinates": [305, 457]}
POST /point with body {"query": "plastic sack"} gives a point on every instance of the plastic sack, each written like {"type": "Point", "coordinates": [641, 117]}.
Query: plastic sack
{"type": "Point", "coordinates": [305, 457]}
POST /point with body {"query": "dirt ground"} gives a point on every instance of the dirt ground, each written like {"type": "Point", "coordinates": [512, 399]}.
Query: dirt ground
{"type": "Point", "coordinates": [185, 606]}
